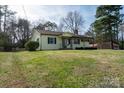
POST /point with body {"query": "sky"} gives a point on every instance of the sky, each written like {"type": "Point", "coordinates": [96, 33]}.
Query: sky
{"type": "Point", "coordinates": [54, 13]}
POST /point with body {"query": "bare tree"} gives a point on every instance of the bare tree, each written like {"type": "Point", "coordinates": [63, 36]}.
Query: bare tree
{"type": "Point", "coordinates": [12, 28]}
{"type": "Point", "coordinates": [51, 26]}
{"type": "Point", "coordinates": [6, 17]}
{"type": "Point", "coordinates": [17, 31]}
{"type": "Point", "coordinates": [73, 22]}
{"type": "Point", "coordinates": [23, 32]}
{"type": "Point", "coordinates": [90, 33]}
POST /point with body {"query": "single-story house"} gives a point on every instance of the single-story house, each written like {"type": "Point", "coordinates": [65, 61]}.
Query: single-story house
{"type": "Point", "coordinates": [59, 40]}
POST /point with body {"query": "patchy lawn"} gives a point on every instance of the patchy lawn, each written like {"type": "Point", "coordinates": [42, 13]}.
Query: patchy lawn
{"type": "Point", "coordinates": [62, 68]}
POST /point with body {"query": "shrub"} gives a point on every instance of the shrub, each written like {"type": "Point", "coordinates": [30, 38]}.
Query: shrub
{"type": "Point", "coordinates": [31, 45]}
{"type": "Point", "coordinates": [85, 48]}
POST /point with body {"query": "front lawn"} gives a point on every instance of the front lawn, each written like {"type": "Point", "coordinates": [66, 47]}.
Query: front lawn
{"type": "Point", "coordinates": [62, 68]}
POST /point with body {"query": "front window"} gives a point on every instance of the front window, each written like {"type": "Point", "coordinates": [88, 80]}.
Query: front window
{"type": "Point", "coordinates": [76, 41]}
{"type": "Point", "coordinates": [51, 40]}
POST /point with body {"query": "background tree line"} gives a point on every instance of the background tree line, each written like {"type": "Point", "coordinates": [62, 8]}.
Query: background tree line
{"type": "Point", "coordinates": [13, 32]}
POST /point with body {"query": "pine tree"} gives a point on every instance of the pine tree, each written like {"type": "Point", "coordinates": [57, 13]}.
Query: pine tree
{"type": "Point", "coordinates": [108, 19]}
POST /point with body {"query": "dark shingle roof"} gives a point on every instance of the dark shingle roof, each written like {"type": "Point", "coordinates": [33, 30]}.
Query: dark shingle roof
{"type": "Point", "coordinates": [46, 32]}
{"type": "Point", "coordinates": [55, 33]}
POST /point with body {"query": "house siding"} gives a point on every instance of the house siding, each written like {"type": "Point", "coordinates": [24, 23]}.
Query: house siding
{"type": "Point", "coordinates": [46, 46]}
{"type": "Point", "coordinates": [82, 44]}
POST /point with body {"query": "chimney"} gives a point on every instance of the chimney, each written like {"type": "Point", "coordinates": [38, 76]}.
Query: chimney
{"type": "Point", "coordinates": [76, 32]}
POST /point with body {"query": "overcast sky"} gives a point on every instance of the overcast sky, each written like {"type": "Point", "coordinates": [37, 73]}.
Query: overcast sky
{"type": "Point", "coordinates": [55, 13]}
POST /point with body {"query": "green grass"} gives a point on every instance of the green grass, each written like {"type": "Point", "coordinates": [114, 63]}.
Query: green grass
{"type": "Point", "coordinates": [62, 68]}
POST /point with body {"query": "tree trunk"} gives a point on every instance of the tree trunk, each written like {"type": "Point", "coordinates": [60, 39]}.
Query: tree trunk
{"type": "Point", "coordinates": [0, 25]}
{"type": "Point", "coordinates": [112, 47]}
{"type": "Point", "coordinates": [4, 28]}
{"type": "Point", "coordinates": [111, 36]}
{"type": "Point", "coordinates": [122, 40]}
{"type": "Point", "coordinates": [0, 19]}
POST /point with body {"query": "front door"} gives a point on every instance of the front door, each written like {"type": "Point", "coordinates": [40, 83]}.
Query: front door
{"type": "Point", "coordinates": [66, 42]}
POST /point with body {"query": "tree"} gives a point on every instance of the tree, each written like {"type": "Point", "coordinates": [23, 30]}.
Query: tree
{"type": "Point", "coordinates": [73, 22]}
{"type": "Point", "coordinates": [1, 15]}
{"type": "Point", "coordinates": [6, 17]}
{"type": "Point", "coordinates": [40, 26]}
{"type": "Point", "coordinates": [17, 31]}
{"type": "Point", "coordinates": [51, 26]}
{"type": "Point", "coordinates": [5, 41]}
{"type": "Point", "coordinates": [23, 32]}
{"type": "Point", "coordinates": [122, 35]}
{"type": "Point", "coordinates": [91, 33]}
{"type": "Point", "coordinates": [12, 28]}
{"type": "Point", "coordinates": [108, 19]}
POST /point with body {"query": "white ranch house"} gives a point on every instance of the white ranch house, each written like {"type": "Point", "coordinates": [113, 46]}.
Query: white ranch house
{"type": "Point", "coordinates": [59, 40]}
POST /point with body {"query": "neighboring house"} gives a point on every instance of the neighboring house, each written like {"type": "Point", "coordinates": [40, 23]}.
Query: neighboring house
{"type": "Point", "coordinates": [59, 40]}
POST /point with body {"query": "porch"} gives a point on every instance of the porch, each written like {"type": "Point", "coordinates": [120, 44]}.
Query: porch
{"type": "Point", "coordinates": [74, 42]}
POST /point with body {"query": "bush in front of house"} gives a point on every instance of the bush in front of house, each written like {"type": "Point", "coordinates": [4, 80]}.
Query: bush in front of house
{"type": "Point", "coordinates": [85, 48]}
{"type": "Point", "coordinates": [31, 45]}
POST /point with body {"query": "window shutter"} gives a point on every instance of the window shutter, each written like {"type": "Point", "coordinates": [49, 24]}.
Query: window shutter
{"type": "Point", "coordinates": [69, 41]}
{"type": "Point", "coordinates": [55, 40]}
